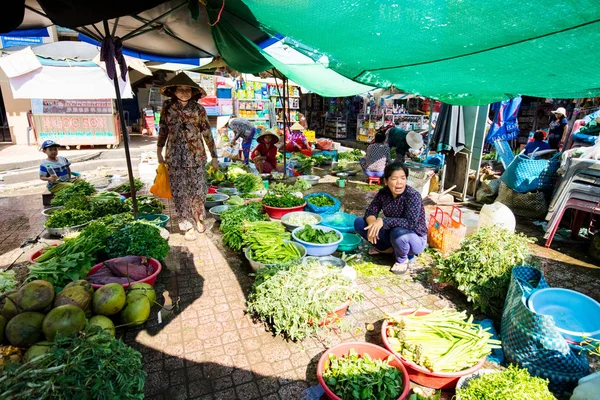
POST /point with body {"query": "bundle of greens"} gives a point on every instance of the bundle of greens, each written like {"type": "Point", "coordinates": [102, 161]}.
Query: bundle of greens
{"type": "Point", "coordinates": [232, 221]}
{"type": "Point", "coordinates": [361, 377]}
{"type": "Point", "coordinates": [266, 242]}
{"type": "Point", "coordinates": [90, 365]}
{"type": "Point", "coordinates": [236, 169]}
{"type": "Point", "coordinates": [301, 185]}
{"type": "Point", "coordinates": [68, 217]}
{"type": "Point", "coordinates": [79, 187]}
{"type": "Point", "coordinates": [146, 205]}
{"type": "Point", "coordinates": [511, 383]}
{"type": "Point", "coordinates": [126, 186]}
{"type": "Point", "coordinates": [247, 183]}
{"type": "Point", "coordinates": [60, 271]}
{"type": "Point", "coordinates": [280, 188]}
{"type": "Point", "coordinates": [481, 267]}
{"type": "Point", "coordinates": [287, 200]}
{"type": "Point", "coordinates": [107, 203]}
{"type": "Point", "coordinates": [138, 238]}
{"type": "Point", "coordinates": [321, 201]}
{"type": "Point", "coordinates": [304, 164]}
{"type": "Point", "coordinates": [354, 155]}
{"type": "Point", "coordinates": [214, 176]}
{"type": "Point", "coordinates": [319, 160]}
{"type": "Point", "coordinates": [7, 281]}
{"type": "Point", "coordinates": [78, 202]}
{"type": "Point", "coordinates": [316, 235]}
{"type": "Point", "coordinates": [236, 201]}
{"type": "Point", "coordinates": [292, 298]}
{"type": "Point", "coordinates": [443, 341]}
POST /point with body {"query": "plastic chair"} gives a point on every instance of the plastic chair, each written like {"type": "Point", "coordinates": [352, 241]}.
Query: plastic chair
{"type": "Point", "coordinates": [374, 180]}
{"type": "Point", "coordinates": [581, 205]}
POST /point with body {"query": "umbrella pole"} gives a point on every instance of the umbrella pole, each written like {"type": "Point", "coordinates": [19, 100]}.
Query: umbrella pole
{"type": "Point", "coordinates": [125, 134]}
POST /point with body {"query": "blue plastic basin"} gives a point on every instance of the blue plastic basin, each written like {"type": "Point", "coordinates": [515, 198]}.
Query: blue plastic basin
{"type": "Point", "coordinates": [314, 249]}
{"type": "Point", "coordinates": [576, 315]}
{"type": "Point", "coordinates": [340, 221]}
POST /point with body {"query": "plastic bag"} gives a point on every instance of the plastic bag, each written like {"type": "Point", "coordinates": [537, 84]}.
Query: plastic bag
{"type": "Point", "coordinates": [323, 209]}
{"type": "Point", "coordinates": [162, 186]}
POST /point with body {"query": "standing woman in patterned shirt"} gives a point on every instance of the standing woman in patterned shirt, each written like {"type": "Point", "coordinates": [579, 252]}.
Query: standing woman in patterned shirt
{"type": "Point", "coordinates": [184, 129]}
{"type": "Point", "coordinates": [378, 156]}
{"type": "Point", "coordinates": [394, 222]}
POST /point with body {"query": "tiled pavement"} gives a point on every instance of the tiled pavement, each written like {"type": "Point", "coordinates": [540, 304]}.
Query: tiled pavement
{"type": "Point", "coordinates": [209, 349]}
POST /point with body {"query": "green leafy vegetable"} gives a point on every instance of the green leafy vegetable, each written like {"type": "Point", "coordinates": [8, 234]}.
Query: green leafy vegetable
{"type": "Point", "coordinates": [266, 241]}
{"type": "Point", "coordinates": [293, 298]}
{"type": "Point", "coordinates": [90, 365]}
{"type": "Point", "coordinates": [60, 271]}
{"type": "Point", "coordinates": [443, 341]}
{"type": "Point", "coordinates": [138, 238]}
{"type": "Point", "coordinates": [511, 383]}
{"type": "Point", "coordinates": [66, 217]}
{"type": "Point", "coordinates": [126, 186]}
{"type": "Point", "coordinates": [235, 201]}
{"type": "Point", "coordinates": [79, 187]}
{"type": "Point", "coordinates": [107, 203]}
{"type": "Point", "coordinates": [319, 160]}
{"type": "Point", "coordinates": [301, 185]}
{"type": "Point", "coordinates": [286, 201]}
{"type": "Point", "coordinates": [236, 169]}
{"type": "Point", "coordinates": [316, 235]}
{"type": "Point", "coordinates": [302, 219]}
{"type": "Point", "coordinates": [247, 183]}
{"type": "Point", "coordinates": [78, 202]}
{"type": "Point", "coordinates": [354, 155]}
{"type": "Point", "coordinates": [304, 163]}
{"type": "Point", "coordinates": [361, 377]}
{"type": "Point", "coordinates": [232, 220]}
{"type": "Point", "coordinates": [7, 281]}
{"type": "Point", "coordinates": [210, 198]}
{"type": "Point", "coordinates": [146, 205]}
{"type": "Point", "coordinates": [321, 201]}
{"type": "Point", "coordinates": [481, 267]}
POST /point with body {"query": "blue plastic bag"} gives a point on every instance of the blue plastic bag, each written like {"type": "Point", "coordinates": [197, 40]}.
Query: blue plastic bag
{"type": "Point", "coordinates": [340, 221]}
{"type": "Point", "coordinates": [324, 209]}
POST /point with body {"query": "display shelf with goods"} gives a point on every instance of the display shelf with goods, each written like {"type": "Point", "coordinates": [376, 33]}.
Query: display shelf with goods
{"type": "Point", "coordinates": [408, 122]}
{"type": "Point", "coordinates": [336, 127]}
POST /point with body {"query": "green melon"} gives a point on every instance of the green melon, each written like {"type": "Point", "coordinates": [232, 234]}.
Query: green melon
{"type": "Point", "coordinates": [35, 296]}
{"type": "Point", "coordinates": [104, 323]}
{"type": "Point", "coordinates": [136, 312]}
{"type": "Point", "coordinates": [67, 319]}
{"type": "Point", "coordinates": [142, 289]}
{"type": "Point", "coordinates": [25, 329]}
{"type": "Point", "coordinates": [38, 349]}
{"type": "Point", "coordinates": [109, 299]}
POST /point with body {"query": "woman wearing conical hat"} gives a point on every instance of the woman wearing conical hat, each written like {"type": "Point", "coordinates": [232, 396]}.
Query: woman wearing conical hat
{"type": "Point", "coordinates": [184, 130]}
{"type": "Point", "coordinates": [296, 141]}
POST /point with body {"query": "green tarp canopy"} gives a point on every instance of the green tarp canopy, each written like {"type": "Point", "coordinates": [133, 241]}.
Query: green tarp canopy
{"type": "Point", "coordinates": [464, 52]}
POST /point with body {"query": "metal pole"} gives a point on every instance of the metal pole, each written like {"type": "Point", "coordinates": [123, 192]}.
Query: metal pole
{"type": "Point", "coordinates": [125, 134]}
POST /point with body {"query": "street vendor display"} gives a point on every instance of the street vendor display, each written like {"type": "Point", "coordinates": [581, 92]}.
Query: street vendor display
{"type": "Point", "coordinates": [295, 139]}
{"type": "Point", "coordinates": [402, 230]}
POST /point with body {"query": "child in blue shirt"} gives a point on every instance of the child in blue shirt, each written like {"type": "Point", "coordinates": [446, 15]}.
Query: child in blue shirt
{"type": "Point", "coordinates": [55, 170]}
{"type": "Point", "coordinates": [538, 143]}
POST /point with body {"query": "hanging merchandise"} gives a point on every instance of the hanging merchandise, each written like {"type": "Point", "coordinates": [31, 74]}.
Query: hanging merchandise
{"type": "Point", "coordinates": [505, 126]}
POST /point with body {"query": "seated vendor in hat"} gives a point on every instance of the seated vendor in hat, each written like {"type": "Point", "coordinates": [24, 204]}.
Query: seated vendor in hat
{"type": "Point", "coordinates": [55, 170]}
{"type": "Point", "coordinates": [406, 143]}
{"type": "Point", "coordinates": [265, 154]}
{"type": "Point", "coordinates": [295, 140]}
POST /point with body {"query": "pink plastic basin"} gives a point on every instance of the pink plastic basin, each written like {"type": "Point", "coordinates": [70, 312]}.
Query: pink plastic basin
{"type": "Point", "coordinates": [421, 375]}
{"type": "Point", "coordinates": [31, 258]}
{"type": "Point", "coordinates": [277, 213]}
{"type": "Point", "coordinates": [151, 280]}
{"type": "Point", "coordinates": [375, 352]}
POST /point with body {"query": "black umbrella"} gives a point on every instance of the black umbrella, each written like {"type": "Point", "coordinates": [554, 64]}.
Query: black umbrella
{"type": "Point", "coordinates": [449, 133]}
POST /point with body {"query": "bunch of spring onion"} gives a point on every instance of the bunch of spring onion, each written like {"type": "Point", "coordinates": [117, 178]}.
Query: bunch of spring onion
{"type": "Point", "coordinates": [269, 242]}
{"type": "Point", "coordinates": [442, 341]}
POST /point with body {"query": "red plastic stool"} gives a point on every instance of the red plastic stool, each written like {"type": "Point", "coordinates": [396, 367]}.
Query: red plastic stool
{"type": "Point", "coordinates": [374, 179]}
{"type": "Point", "coordinates": [581, 205]}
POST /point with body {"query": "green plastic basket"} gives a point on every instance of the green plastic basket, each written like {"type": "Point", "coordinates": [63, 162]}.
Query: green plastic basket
{"type": "Point", "coordinates": [349, 242]}
{"type": "Point", "coordinates": [160, 220]}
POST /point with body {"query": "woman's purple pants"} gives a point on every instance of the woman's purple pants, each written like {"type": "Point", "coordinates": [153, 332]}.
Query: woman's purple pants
{"type": "Point", "coordinates": [405, 243]}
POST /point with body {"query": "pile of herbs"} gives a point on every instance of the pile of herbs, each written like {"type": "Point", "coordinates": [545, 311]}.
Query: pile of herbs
{"type": "Point", "coordinates": [60, 271]}
{"type": "Point", "coordinates": [8, 281]}
{"type": "Point", "coordinates": [287, 200]}
{"type": "Point", "coordinates": [232, 220]}
{"type": "Point", "coordinates": [126, 186]}
{"type": "Point", "coordinates": [316, 235]}
{"type": "Point", "coordinates": [361, 377]}
{"type": "Point", "coordinates": [321, 201]}
{"type": "Point", "coordinates": [280, 188]}
{"type": "Point", "coordinates": [267, 244]}
{"type": "Point", "coordinates": [78, 202]}
{"type": "Point", "coordinates": [481, 268]}
{"type": "Point", "coordinates": [146, 205]}
{"type": "Point", "coordinates": [107, 203]}
{"type": "Point", "coordinates": [90, 365]}
{"type": "Point", "coordinates": [292, 298]}
{"type": "Point", "coordinates": [319, 160]}
{"type": "Point", "coordinates": [137, 238]}
{"type": "Point", "coordinates": [79, 187]}
{"type": "Point", "coordinates": [304, 164]}
{"type": "Point", "coordinates": [511, 383]}
{"type": "Point", "coordinates": [354, 155]}
{"type": "Point", "coordinates": [68, 217]}
{"type": "Point", "coordinates": [236, 169]}
{"type": "Point", "coordinates": [247, 183]}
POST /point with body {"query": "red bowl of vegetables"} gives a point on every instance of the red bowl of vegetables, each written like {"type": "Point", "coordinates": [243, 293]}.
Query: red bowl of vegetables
{"type": "Point", "coordinates": [421, 375]}
{"type": "Point", "coordinates": [153, 268]}
{"type": "Point", "coordinates": [375, 353]}
{"type": "Point", "coordinates": [31, 258]}
{"type": "Point", "coordinates": [277, 213]}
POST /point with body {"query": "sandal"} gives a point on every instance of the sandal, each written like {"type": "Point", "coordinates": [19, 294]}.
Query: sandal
{"type": "Point", "coordinates": [190, 235]}
{"type": "Point", "coordinates": [200, 227]}
{"type": "Point", "coordinates": [374, 251]}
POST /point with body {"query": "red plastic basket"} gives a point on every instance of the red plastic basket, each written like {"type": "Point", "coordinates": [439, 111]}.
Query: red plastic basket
{"type": "Point", "coordinates": [444, 231]}
{"type": "Point", "coordinates": [277, 213]}
{"type": "Point", "coordinates": [151, 280]}
{"type": "Point", "coordinates": [374, 351]}
{"type": "Point", "coordinates": [31, 258]}
{"type": "Point", "coordinates": [421, 375]}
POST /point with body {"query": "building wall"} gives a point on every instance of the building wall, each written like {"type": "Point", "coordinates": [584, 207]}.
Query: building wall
{"type": "Point", "coordinates": [16, 110]}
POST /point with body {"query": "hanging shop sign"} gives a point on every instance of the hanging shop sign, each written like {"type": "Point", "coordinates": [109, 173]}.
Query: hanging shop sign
{"type": "Point", "coordinates": [76, 129]}
{"type": "Point", "coordinates": [14, 41]}
{"type": "Point", "coordinates": [49, 106]}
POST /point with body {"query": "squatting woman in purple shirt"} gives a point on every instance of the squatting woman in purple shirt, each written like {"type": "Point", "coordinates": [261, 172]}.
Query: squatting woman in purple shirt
{"type": "Point", "coordinates": [395, 221]}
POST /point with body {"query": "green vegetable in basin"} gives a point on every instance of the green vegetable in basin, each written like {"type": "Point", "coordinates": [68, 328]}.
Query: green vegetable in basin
{"type": "Point", "coordinates": [210, 198]}
{"type": "Point", "coordinates": [361, 377]}
{"type": "Point", "coordinates": [235, 201]}
{"type": "Point", "coordinates": [247, 183]}
{"type": "Point", "coordinates": [321, 201]}
{"type": "Point", "coordinates": [232, 220]}
{"type": "Point", "coordinates": [286, 201]}
{"type": "Point", "coordinates": [302, 219]}
{"type": "Point", "coordinates": [79, 187]}
{"type": "Point", "coordinates": [147, 205]}
{"type": "Point", "coordinates": [266, 242]}
{"type": "Point", "coordinates": [316, 235]}
{"type": "Point", "coordinates": [64, 218]}
{"type": "Point", "coordinates": [126, 187]}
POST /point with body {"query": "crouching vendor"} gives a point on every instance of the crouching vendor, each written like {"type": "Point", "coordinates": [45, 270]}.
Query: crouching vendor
{"type": "Point", "coordinates": [265, 154]}
{"type": "Point", "coordinates": [402, 230]}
